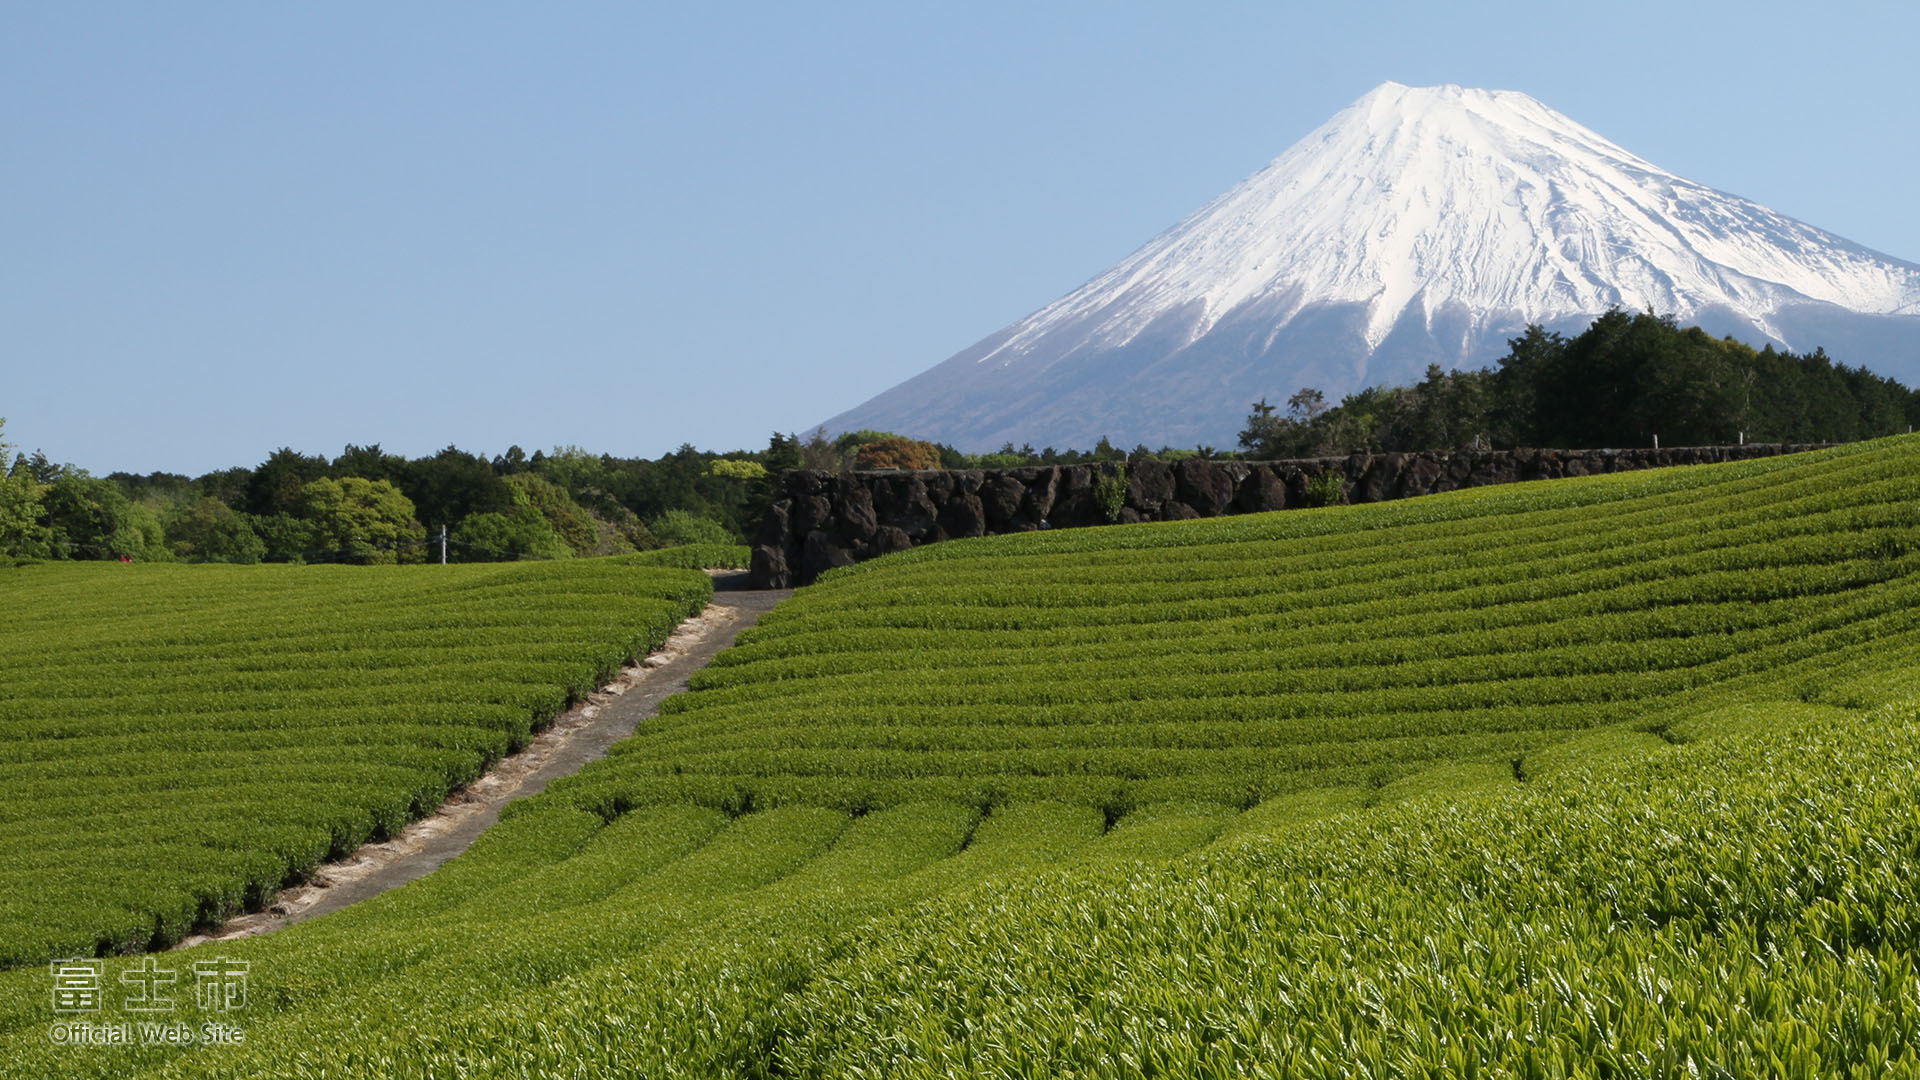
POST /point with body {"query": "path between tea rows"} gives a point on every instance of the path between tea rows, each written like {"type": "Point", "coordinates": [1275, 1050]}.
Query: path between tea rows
{"type": "Point", "coordinates": [583, 733]}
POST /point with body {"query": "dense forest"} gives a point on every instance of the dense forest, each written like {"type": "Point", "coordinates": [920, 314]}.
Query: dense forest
{"type": "Point", "coordinates": [1628, 380]}
{"type": "Point", "coordinates": [367, 505]}
{"type": "Point", "coordinates": [370, 506]}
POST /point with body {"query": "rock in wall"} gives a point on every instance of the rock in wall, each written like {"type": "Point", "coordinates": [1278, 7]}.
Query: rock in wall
{"type": "Point", "coordinates": [821, 520]}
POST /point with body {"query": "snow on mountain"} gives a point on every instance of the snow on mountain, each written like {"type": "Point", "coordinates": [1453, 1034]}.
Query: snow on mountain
{"type": "Point", "coordinates": [1418, 225]}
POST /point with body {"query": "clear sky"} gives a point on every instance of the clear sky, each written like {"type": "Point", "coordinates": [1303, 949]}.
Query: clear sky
{"type": "Point", "coordinates": [226, 228]}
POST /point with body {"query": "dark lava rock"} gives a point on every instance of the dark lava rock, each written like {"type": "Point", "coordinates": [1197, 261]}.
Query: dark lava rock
{"type": "Point", "coordinates": [1422, 474]}
{"type": "Point", "coordinates": [903, 504]}
{"type": "Point", "coordinates": [857, 516]}
{"type": "Point", "coordinates": [821, 554]}
{"type": "Point", "coordinates": [963, 516]}
{"type": "Point", "coordinates": [1000, 499]}
{"type": "Point", "coordinates": [811, 513]}
{"type": "Point", "coordinates": [1178, 511]}
{"type": "Point", "coordinates": [887, 540]}
{"type": "Point", "coordinates": [1203, 485]}
{"type": "Point", "coordinates": [773, 525]}
{"type": "Point", "coordinates": [768, 570]}
{"type": "Point", "coordinates": [1038, 501]}
{"type": "Point", "coordinates": [1260, 492]}
{"type": "Point", "coordinates": [1149, 485]}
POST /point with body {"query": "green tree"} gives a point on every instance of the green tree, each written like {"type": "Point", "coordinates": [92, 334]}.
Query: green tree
{"type": "Point", "coordinates": [574, 468]}
{"type": "Point", "coordinates": [22, 532]}
{"type": "Point", "coordinates": [676, 527]}
{"type": "Point", "coordinates": [227, 485]}
{"type": "Point", "coordinates": [1628, 378]}
{"type": "Point", "coordinates": [781, 456]}
{"type": "Point", "coordinates": [1267, 433]}
{"type": "Point", "coordinates": [736, 469]}
{"type": "Point", "coordinates": [782, 453]}
{"type": "Point", "coordinates": [453, 484]}
{"type": "Point", "coordinates": [274, 487]}
{"type": "Point", "coordinates": [91, 518]}
{"type": "Point", "coordinates": [369, 463]}
{"type": "Point", "coordinates": [288, 539]}
{"type": "Point", "coordinates": [161, 488]}
{"type": "Point", "coordinates": [820, 452]}
{"type": "Point", "coordinates": [38, 467]}
{"type": "Point", "coordinates": [208, 530]}
{"type": "Point", "coordinates": [513, 461]}
{"type": "Point", "coordinates": [495, 537]}
{"type": "Point", "coordinates": [1532, 363]}
{"type": "Point", "coordinates": [1306, 405]}
{"type": "Point", "coordinates": [581, 531]}
{"type": "Point", "coordinates": [362, 521]}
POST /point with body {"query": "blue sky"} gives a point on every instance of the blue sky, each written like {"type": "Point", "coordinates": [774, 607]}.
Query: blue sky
{"type": "Point", "coordinates": [226, 228]}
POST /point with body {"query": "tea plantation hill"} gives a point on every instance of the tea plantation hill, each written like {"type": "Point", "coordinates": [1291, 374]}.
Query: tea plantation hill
{"type": "Point", "coordinates": [181, 741]}
{"type": "Point", "coordinates": [1611, 776]}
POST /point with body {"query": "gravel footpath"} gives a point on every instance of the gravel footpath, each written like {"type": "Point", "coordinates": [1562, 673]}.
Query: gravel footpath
{"type": "Point", "coordinates": [578, 736]}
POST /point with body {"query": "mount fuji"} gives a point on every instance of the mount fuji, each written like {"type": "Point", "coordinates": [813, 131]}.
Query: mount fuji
{"type": "Point", "coordinates": [1420, 225]}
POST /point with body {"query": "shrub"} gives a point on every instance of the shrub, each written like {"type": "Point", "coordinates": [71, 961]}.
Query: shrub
{"type": "Point", "coordinates": [676, 527]}
{"type": "Point", "coordinates": [1327, 489]}
{"type": "Point", "coordinates": [897, 452]}
{"type": "Point", "coordinates": [699, 557]}
{"type": "Point", "coordinates": [1111, 490]}
{"type": "Point", "coordinates": [736, 469]}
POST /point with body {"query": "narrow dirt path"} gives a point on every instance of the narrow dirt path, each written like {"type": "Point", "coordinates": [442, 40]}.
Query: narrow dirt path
{"type": "Point", "coordinates": [578, 736]}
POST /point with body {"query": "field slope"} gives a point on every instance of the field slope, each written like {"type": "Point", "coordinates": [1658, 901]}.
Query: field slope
{"type": "Point", "coordinates": [1606, 777]}
{"type": "Point", "coordinates": [178, 741]}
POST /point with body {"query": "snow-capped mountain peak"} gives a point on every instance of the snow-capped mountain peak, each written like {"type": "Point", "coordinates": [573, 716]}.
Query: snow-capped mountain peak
{"type": "Point", "coordinates": [1487, 199]}
{"type": "Point", "coordinates": [1419, 224]}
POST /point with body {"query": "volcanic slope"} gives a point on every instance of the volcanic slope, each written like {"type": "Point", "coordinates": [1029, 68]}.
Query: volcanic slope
{"type": "Point", "coordinates": [1419, 225]}
{"type": "Point", "coordinates": [1608, 776]}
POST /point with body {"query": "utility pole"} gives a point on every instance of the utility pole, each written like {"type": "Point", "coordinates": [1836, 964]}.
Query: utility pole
{"type": "Point", "coordinates": [443, 545]}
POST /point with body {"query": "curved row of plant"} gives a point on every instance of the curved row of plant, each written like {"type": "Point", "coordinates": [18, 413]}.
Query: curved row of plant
{"type": "Point", "coordinates": [1423, 807]}
{"type": "Point", "coordinates": [1233, 659]}
{"type": "Point", "coordinates": [1738, 907]}
{"type": "Point", "coordinates": [181, 741]}
{"type": "Point", "coordinates": [1738, 904]}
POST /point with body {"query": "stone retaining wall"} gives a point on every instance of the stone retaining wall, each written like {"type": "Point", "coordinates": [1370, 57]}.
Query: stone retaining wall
{"type": "Point", "coordinates": [820, 520]}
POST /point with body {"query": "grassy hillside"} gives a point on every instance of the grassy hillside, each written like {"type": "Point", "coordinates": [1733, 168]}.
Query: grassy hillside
{"type": "Point", "coordinates": [1609, 777]}
{"type": "Point", "coordinates": [181, 740]}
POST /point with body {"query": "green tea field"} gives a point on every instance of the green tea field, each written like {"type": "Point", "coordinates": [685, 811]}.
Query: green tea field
{"type": "Point", "coordinates": [1608, 777]}
{"type": "Point", "coordinates": [180, 740]}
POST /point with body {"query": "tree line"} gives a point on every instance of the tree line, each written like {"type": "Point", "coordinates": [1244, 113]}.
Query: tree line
{"type": "Point", "coordinates": [1626, 381]}
{"type": "Point", "coordinates": [370, 506]}
{"type": "Point", "coordinates": [367, 505]}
